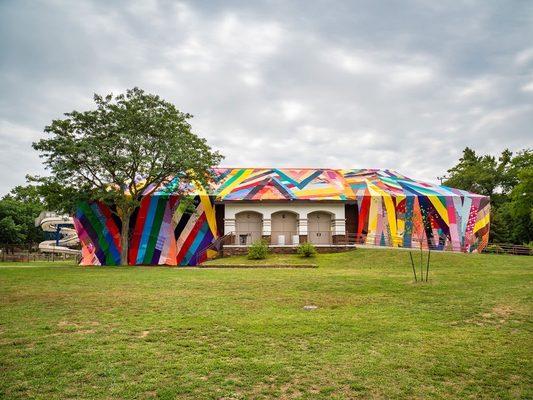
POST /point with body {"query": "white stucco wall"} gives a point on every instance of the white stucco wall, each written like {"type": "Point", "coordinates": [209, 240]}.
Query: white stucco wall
{"type": "Point", "coordinates": [300, 208]}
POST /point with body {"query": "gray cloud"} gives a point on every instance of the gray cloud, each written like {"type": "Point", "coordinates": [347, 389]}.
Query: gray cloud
{"type": "Point", "coordinates": [390, 84]}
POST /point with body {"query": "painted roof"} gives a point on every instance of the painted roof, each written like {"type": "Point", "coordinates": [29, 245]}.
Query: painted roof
{"type": "Point", "coordinates": [237, 184]}
{"type": "Point", "coordinates": [241, 184]}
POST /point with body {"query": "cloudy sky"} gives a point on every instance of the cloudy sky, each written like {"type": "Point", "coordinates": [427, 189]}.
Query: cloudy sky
{"type": "Point", "coordinates": [404, 85]}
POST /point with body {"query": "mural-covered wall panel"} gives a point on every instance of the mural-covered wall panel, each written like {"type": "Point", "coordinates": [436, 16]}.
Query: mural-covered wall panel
{"type": "Point", "coordinates": [163, 231]}
{"type": "Point", "coordinates": [392, 210]}
{"type": "Point", "coordinates": [452, 224]}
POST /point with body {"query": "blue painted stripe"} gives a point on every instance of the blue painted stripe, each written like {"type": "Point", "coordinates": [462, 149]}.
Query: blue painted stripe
{"type": "Point", "coordinates": [197, 240]}
{"type": "Point", "coordinates": [145, 236]}
{"type": "Point", "coordinates": [106, 233]}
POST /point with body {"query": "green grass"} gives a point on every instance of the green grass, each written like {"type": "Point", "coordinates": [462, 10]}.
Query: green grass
{"type": "Point", "coordinates": [110, 332]}
{"type": "Point", "coordinates": [272, 259]}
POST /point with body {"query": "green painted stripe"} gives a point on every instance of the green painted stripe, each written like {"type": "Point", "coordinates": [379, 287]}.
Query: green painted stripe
{"type": "Point", "coordinates": [156, 226]}
{"type": "Point", "coordinates": [99, 229]}
{"type": "Point", "coordinates": [231, 180]}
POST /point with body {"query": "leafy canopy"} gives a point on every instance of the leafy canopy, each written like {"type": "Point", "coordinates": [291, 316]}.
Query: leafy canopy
{"type": "Point", "coordinates": [113, 153]}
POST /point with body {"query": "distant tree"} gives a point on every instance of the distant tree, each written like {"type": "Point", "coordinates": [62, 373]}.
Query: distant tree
{"type": "Point", "coordinates": [18, 211]}
{"type": "Point", "coordinates": [508, 180]}
{"type": "Point", "coordinates": [116, 151]}
{"type": "Point", "coordinates": [479, 174]}
{"type": "Point", "coordinates": [10, 233]}
{"type": "Point", "coordinates": [521, 199]}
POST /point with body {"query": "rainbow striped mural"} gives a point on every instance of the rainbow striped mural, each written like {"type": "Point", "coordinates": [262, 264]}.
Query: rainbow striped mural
{"type": "Point", "coordinates": [392, 210]}
{"type": "Point", "coordinates": [163, 231]}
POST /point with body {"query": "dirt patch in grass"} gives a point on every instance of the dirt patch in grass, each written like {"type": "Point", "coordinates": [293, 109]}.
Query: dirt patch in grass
{"type": "Point", "coordinates": [75, 328]}
{"type": "Point", "coordinates": [498, 315]}
{"type": "Point", "coordinates": [502, 311]}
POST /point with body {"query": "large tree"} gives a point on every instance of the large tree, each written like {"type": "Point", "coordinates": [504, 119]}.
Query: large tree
{"type": "Point", "coordinates": [116, 151]}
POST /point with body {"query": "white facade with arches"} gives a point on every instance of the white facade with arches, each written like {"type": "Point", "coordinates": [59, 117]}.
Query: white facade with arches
{"type": "Point", "coordinates": [284, 222]}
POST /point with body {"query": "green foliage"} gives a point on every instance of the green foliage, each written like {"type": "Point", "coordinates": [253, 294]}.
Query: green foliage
{"type": "Point", "coordinates": [508, 180]}
{"type": "Point", "coordinates": [306, 250]}
{"type": "Point", "coordinates": [258, 250]}
{"type": "Point", "coordinates": [479, 174]}
{"type": "Point", "coordinates": [10, 233]}
{"type": "Point", "coordinates": [115, 152]}
{"type": "Point", "coordinates": [18, 211]}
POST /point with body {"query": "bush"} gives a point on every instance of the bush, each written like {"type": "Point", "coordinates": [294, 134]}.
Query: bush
{"type": "Point", "coordinates": [493, 248]}
{"type": "Point", "coordinates": [306, 250]}
{"type": "Point", "coordinates": [258, 250]}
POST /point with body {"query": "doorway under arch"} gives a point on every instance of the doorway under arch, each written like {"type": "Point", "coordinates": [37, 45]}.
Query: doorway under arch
{"type": "Point", "coordinates": [248, 227]}
{"type": "Point", "coordinates": [284, 227]}
{"type": "Point", "coordinates": [319, 227]}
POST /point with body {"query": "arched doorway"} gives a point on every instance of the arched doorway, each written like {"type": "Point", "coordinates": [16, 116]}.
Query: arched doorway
{"type": "Point", "coordinates": [319, 227]}
{"type": "Point", "coordinates": [284, 227]}
{"type": "Point", "coordinates": [248, 227]}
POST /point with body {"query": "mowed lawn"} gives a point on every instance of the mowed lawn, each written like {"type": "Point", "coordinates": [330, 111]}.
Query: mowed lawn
{"type": "Point", "coordinates": [143, 332]}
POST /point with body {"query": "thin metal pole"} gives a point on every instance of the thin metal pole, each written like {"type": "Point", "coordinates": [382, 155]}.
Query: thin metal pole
{"type": "Point", "coordinates": [413, 264]}
{"type": "Point", "coordinates": [421, 264]}
{"type": "Point", "coordinates": [427, 267]}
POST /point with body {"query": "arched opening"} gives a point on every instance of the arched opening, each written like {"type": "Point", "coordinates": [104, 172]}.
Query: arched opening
{"type": "Point", "coordinates": [319, 227]}
{"type": "Point", "coordinates": [248, 227]}
{"type": "Point", "coordinates": [284, 228]}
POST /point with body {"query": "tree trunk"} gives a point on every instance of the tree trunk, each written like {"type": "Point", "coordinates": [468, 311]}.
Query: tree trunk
{"type": "Point", "coordinates": [125, 238]}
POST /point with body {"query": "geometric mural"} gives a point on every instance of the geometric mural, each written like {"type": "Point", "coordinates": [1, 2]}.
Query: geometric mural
{"type": "Point", "coordinates": [392, 210]}
{"type": "Point", "coordinates": [162, 231]}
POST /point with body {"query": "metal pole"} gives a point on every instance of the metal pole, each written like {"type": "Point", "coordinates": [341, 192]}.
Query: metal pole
{"type": "Point", "coordinates": [421, 263]}
{"type": "Point", "coordinates": [427, 267]}
{"type": "Point", "coordinates": [413, 264]}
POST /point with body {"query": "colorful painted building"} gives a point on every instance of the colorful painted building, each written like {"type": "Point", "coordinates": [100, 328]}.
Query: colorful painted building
{"type": "Point", "coordinates": [327, 207]}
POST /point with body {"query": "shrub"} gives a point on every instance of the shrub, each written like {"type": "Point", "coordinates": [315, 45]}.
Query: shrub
{"type": "Point", "coordinates": [493, 248]}
{"type": "Point", "coordinates": [258, 250]}
{"type": "Point", "coordinates": [306, 250]}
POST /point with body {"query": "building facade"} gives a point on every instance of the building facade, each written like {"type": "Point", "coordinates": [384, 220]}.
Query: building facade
{"type": "Point", "coordinates": [285, 207]}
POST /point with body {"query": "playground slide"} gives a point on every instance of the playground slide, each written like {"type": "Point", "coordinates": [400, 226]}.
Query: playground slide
{"type": "Point", "coordinates": [63, 227]}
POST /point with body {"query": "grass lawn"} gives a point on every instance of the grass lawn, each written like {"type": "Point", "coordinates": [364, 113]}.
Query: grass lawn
{"type": "Point", "coordinates": [142, 332]}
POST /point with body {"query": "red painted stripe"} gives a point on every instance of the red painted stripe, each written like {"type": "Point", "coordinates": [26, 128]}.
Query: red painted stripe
{"type": "Point", "coordinates": [138, 229]}
{"type": "Point", "coordinates": [363, 215]}
{"type": "Point", "coordinates": [110, 224]}
{"type": "Point", "coordinates": [190, 238]}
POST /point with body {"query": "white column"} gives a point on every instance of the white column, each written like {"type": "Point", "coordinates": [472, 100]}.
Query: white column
{"type": "Point", "coordinates": [267, 226]}
{"type": "Point", "coordinates": [302, 226]}
{"type": "Point", "coordinates": [339, 226]}
{"type": "Point", "coordinates": [229, 225]}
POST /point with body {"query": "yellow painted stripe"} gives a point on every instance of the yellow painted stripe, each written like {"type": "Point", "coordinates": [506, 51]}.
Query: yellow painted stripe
{"type": "Point", "coordinates": [241, 178]}
{"type": "Point", "coordinates": [390, 209]}
{"type": "Point", "coordinates": [375, 202]}
{"type": "Point", "coordinates": [209, 213]}
{"type": "Point", "coordinates": [482, 223]}
{"type": "Point", "coordinates": [443, 212]}
{"type": "Point", "coordinates": [319, 192]}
